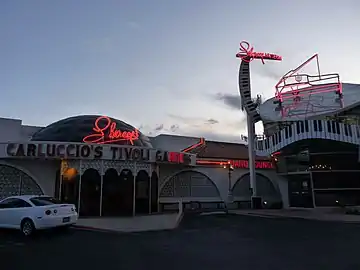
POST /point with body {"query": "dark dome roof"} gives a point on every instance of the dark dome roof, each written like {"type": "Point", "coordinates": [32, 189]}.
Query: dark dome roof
{"type": "Point", "coordinates": [74, 129]}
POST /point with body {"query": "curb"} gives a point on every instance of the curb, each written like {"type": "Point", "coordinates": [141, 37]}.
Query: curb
{"type": "Point", "coordinates": [297, 217]}
{"type": "Point", "coordinates": [93, 229]}
{"type": "Point", "coordinates": [179, 219]}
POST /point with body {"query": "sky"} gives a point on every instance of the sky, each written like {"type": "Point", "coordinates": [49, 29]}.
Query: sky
{"type": "Point", "coordinates": [163, 66]}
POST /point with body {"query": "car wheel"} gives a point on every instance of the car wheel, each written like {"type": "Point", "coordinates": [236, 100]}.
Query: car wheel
{"type": "Point", "coordinates": [27, 227]}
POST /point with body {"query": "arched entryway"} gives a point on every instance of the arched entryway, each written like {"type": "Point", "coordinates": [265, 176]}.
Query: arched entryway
{"type": "Point", "coordinates": [90, 193]}
{"type": "Point", "coordinates": [70, 183]}
{"type": "Point", "coordinates": [111, 200]}
{"type": "Point", "coordinates": [14, 181]}
{"type": "Point", "coordinates": [154, 192]}
{"type": "Point", "coordinates": [265, 189]}
{"type": "Point", "coordinates": [190, 186]}
{"type": "Point", "coordinates": [126, 193]}
{"type": "Point", "coordinates": [142, 193]}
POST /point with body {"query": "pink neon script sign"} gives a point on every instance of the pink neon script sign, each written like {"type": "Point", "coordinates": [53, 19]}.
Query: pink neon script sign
{"type": "Point", "coordinates": [247, 54]}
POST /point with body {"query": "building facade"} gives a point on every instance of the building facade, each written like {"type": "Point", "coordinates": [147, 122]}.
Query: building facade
{"type": "Point", "coordinates": [108, 168]}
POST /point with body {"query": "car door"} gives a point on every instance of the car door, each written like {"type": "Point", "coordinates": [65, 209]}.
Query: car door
{"type": "Point", "coordinates": [6, 213]}
{"type": "Point", "coordinates": [17, 211]}
{"type": "Point", "coordinates": [3, 214]}
{"type": "Point", "coordinates": [12, 212]}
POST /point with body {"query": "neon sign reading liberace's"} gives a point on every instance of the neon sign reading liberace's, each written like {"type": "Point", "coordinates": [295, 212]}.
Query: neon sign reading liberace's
{"type": "Point", "coordinates": [247, 54]}
{"type": "Point", "coordinates": [109, 133]}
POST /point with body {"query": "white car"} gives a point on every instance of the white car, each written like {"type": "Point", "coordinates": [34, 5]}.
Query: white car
{"type": "Point", "coordinates": [32, 212]}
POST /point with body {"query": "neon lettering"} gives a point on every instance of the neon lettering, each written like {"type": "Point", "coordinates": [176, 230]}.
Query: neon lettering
{"type": "Point", "coordinates": [175, 157]}
{"type": "Point", "coordinates": [247, 54]}
{"type": "Point", "coordinates": [109, 133]}
{"type": "Point", "coordinates": [240, 164]}
{"type": "Point", "coordinates": [244, 164]}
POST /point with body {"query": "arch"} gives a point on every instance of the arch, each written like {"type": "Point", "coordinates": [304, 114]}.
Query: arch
{"type": "Point", "coordinates": [111, 196]}
{"type": "Point", "coordinates": [126, 205]}
{"type": "Point", "coordinates": [142, 192]}
{"type": "Point", "coordinates": [154, 193]}
{"type": "Point", "coordinates": [266, 188]}
{"type": "Point", "coordinates": [90, 193]}
{"type": "Point", "coordinates": [15, 181]}
{"type": "Point", "coordinates": [25, 171]}
{"type": "Point", "coordinates": [70, 185]}
{"type": "Point", "coordinates": [189, 185]}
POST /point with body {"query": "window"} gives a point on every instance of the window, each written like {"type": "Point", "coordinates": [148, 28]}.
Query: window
{"type": "Point", "coordinates": [14, 203]}
{"type": "Point", "coordinates": [306, 126]}
{"type": "Point", "coordinates": [41, 201]}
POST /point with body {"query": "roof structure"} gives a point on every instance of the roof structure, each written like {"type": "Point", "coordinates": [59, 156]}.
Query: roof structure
{"type": "Point", "coordinates": [223, 150]}
{"type": "Point", "coordinates": [311, 106]}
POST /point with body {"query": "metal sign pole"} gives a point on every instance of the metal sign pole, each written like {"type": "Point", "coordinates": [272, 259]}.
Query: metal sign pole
{"type": "Point", "coordinates": [251, 150]}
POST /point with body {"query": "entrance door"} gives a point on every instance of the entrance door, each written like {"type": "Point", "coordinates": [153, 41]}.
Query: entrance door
{"type": "Point", "coordinates": [300, 193]}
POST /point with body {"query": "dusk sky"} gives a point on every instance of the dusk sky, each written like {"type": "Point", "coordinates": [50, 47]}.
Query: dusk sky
{"type": "Point", "coordinates": [163, 66]}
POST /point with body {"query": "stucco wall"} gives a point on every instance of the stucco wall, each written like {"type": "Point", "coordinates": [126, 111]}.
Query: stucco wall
{"type": "Point", "coordinates": [219, 177]}
{"type": "Point", "coordinates": [42, 171]}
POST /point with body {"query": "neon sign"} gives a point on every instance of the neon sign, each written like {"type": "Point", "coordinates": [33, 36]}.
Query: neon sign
{"type": "Point", "coordinates": [172, 157]}
{"type": "Point", "coordinates": [247, 54]}
{"type": "Point", "coordinates": [109, 133]}
{"type": "Point", "coordinates": [240, 164]}
{"type": "Point", "coordinates": [244, 164]}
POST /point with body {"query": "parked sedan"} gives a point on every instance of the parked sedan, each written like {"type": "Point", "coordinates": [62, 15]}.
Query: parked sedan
{"type": "Point", "coordinates": [28, 213]}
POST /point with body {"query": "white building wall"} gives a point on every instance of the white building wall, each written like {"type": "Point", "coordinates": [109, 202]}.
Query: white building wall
{"type": "Point", "coordinates": [13, 130]}
{"type": "Point", "coordinates": [173, 143]}
{"type": "Point", "coordinates": [42, 171]}
{"type": "Point", "coordinates": [219, 176]}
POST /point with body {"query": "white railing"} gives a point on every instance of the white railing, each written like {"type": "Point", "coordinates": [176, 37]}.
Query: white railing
{"type": "Point", "coordinates": [307, 129]}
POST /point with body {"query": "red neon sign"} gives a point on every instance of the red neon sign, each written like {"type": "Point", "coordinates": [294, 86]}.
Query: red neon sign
{"type": "Point", "coordinates": [175, 157]}
{"type": "Point", "coordinates": [109, 133]}
{"type": "Point", "coordinates": [247, 54]}
{"type": "Point", "coordinates": [240, 164]}
{"type": "Point", "coordinates": [244, 164]}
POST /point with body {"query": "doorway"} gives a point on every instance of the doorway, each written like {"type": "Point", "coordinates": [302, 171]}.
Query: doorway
{"type": "Point", "coordinates": [90, 193]}
{"type": "Point", "coordinates": [70, 184]}
{"type": "Point", "coordinates": [111, 200]}
{"type": "Point", "coordinates": [126, 192]}
{"type": "Point", "coordinates": [142, 193]}
{"type": "Point", "coordinates": [300, 190]}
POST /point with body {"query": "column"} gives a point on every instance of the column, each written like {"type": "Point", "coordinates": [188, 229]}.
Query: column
{"type": "Point", "coordinates": [149, 187]}
{"type": "Point", "coordinates": [251, 150]}
{"type": "Point", "coordinates": [134, 189]}
{"type": "Point", "coordinates": [79, 196]}
{"type": "Point", "coordinates": [101, 186]}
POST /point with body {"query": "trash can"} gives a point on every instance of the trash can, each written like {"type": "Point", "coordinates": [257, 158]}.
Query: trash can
{"type": "Point", "coordinates": [256, 202]}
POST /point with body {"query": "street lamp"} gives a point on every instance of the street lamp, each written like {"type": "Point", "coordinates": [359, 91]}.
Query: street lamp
{"type": "Point", "coordinates": [230, 168]}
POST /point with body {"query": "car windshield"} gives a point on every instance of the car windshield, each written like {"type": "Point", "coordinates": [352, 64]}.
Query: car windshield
{"type": "Point", "coordinates": [41, 201]}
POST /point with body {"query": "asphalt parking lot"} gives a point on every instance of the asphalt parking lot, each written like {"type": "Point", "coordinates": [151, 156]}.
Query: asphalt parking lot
{"type": "Point", "coordinates": [202, 242]}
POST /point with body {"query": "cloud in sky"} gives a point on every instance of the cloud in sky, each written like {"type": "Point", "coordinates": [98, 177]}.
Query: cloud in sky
{"type": "Point", "coordinates": [230, 100]}
{"type": "Point", "coordinates": [143, 61]}
{"type": "Point", "coordinates": [211, 129]}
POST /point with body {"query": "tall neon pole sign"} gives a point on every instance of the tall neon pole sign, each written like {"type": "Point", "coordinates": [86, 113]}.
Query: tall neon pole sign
{"type": "Point", "coordinates": [247, 55]}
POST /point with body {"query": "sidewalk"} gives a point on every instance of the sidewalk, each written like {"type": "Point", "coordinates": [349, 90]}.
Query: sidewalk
{"type": "Point", "coordinates": [330, 214]}
{"type": "Point", "coordinates": [131, 224]}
